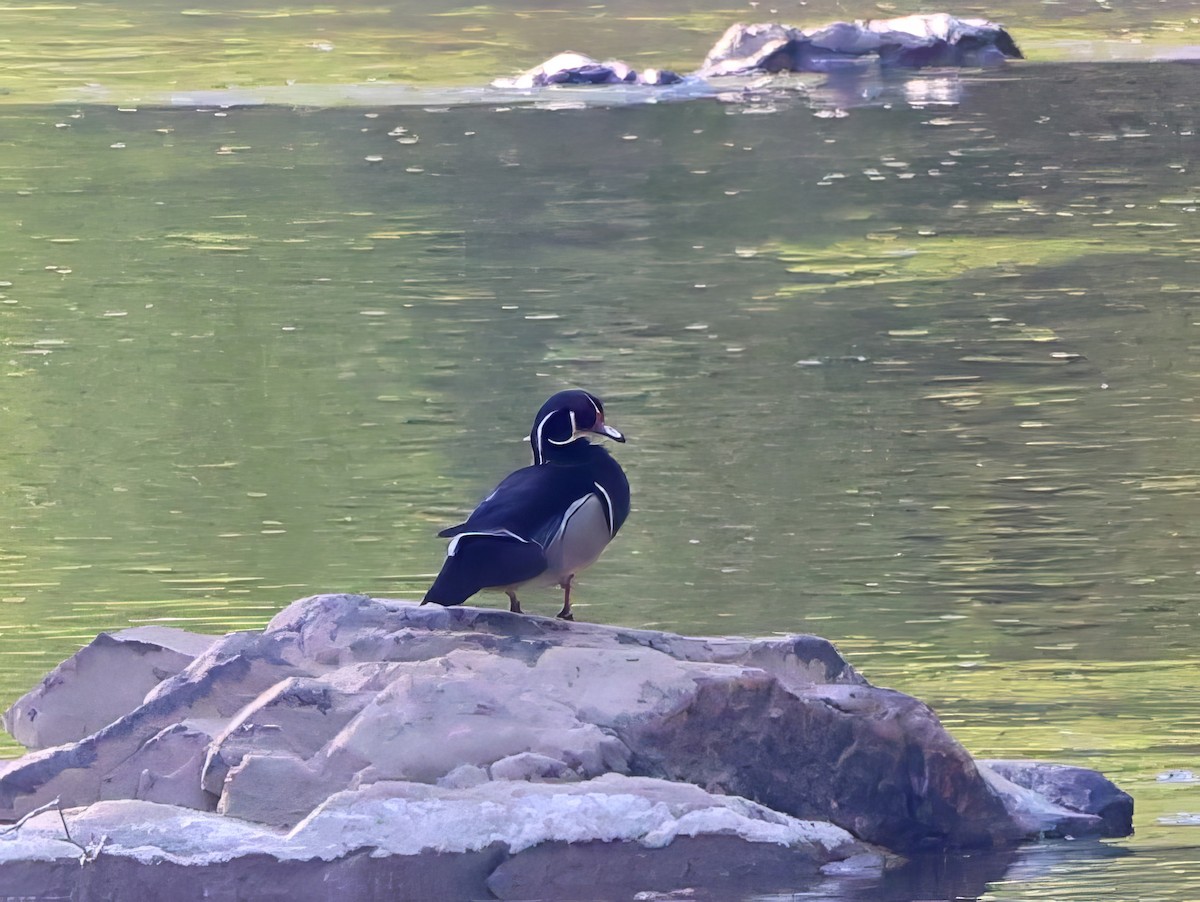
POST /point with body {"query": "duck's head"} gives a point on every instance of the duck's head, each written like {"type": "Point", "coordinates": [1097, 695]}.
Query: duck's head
{"type": "Point", "coordinates": [567, 418]}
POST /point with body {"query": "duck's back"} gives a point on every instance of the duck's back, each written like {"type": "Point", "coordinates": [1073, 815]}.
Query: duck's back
{"type": "Point", "coordinates": [531, 502]}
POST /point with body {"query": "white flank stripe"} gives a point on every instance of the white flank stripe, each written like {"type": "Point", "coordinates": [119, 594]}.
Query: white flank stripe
{"type": "Point", "coordinates": [612, 515]}
{"type": "Point", "coordinates": [571, 511]}
{"type": "Point", "coordinates": [495, 533]}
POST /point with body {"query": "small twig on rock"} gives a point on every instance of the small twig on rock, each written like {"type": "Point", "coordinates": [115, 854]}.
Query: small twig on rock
{"type": "Point", "coordinates": [85, 854]}
{"type": "Point", "coordinates": [53, 803]}
{"type": "Point", "coordinates": [93, 852]}
{"type": "Point", "coordinates": [62, 817]}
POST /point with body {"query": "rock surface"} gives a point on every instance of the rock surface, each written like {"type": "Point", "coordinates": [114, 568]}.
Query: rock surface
{"type": "Point", "coordinates": [401, 841]}
{"type": "Point", "coordinates": [353, 723]}
{"type": "Point", "coordinates": [79, 697]}
{"type": "Point", "coordinates": [1103, 809]}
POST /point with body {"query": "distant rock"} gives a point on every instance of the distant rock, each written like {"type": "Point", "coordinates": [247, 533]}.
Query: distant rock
{"type": "Point", "coordinates": [909, 42]}
{"type": "Point", "coordinates": [914, 42]}
{"type": "Point", "coordinates": [521, 744]}
{"type": "Point", "coordinates": [570, 68]}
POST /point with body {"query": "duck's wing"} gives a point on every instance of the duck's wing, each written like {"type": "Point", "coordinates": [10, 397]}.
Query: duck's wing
{"type": "Point", "coordinates": [485, 560]}
{"type": "Point", "coordinates": [503, 542]}
{"type": "Point", "coordinates": [529, 504]}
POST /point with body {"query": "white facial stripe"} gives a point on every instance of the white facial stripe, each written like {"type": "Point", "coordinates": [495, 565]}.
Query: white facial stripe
{"type": "Point", "coordinates": [539, 456]}
{"type": "Point", "coordinates": [592, 401]}
{"type": "Point", "coordinates": [612, 517]}
{"type": "Point", "coordinates": [574, 431]}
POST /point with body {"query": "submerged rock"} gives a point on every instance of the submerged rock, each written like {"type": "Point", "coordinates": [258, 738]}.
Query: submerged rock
{"type": "Point", "coordinates": [354, 723]}
{"type": "Point", "coordinates": [1102, 808]}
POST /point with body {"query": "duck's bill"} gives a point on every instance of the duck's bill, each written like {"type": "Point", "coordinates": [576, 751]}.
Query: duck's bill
{"type": "Point", "coordinates": [607, 431]}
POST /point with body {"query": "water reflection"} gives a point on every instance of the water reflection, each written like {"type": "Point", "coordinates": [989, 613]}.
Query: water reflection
{"type": "Point", "coordinates": [922, 877]}
{"type": "Point", "coordinates": [828, 95]}
{"type": "Point", "coordinates": [1065, 869]}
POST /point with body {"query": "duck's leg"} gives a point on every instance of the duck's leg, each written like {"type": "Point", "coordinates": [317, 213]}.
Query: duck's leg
{"type": "Point", "coordinates": [565, 613]}
{"type": "Point", "coordinates": [513, 605]}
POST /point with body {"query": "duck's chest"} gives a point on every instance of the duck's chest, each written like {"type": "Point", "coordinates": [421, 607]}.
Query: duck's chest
{"type": "Point", "coordinates": [581, 538]}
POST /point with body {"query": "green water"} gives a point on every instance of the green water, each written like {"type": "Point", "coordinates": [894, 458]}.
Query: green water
{"type": "Point", "coordinates": [919, 377]}
{"type": "Point", "coordinates": [50, 50]}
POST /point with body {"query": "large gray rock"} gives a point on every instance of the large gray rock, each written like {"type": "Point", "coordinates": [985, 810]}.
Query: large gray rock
{"type": "Point", "coordinates": [455, 718]}
{"type": "Point", "coordinates": [105, 679]}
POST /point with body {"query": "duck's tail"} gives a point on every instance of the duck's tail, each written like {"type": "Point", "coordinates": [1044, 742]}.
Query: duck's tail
{"type": "Point", "coordinates": [484, 560]}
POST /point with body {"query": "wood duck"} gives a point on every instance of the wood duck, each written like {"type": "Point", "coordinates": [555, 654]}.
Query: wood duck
{"type": "Point", "coordinates": [546, 522]}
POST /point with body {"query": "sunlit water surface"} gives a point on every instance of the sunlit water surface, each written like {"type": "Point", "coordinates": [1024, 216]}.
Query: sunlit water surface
{"type": "Point", "coordinates": [911, 364]}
